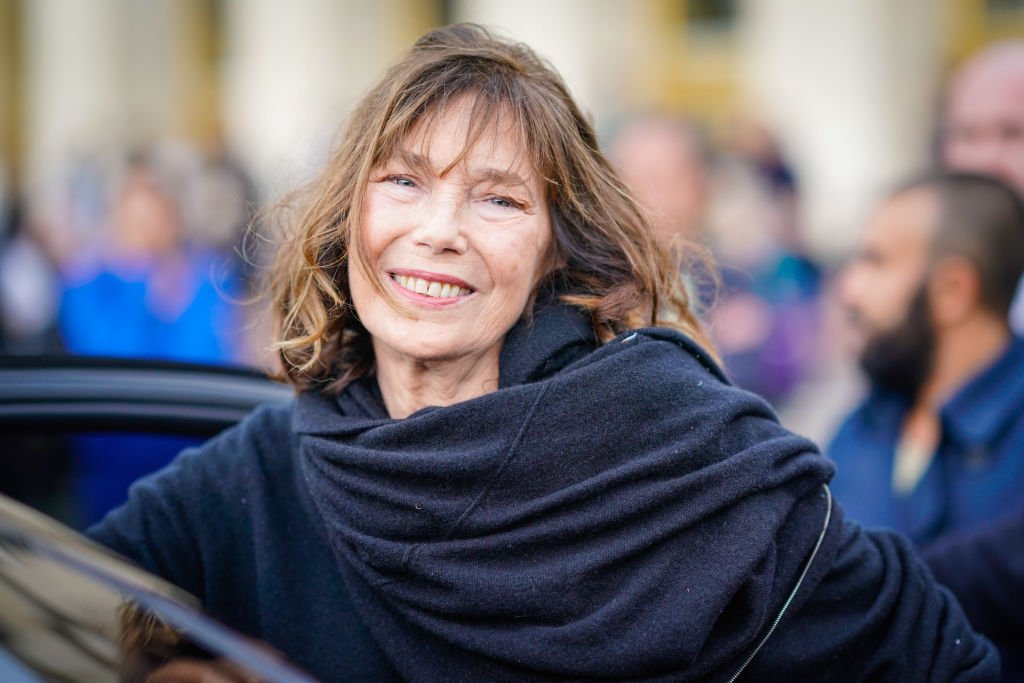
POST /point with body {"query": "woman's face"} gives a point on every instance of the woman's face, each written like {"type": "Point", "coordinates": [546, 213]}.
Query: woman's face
{"type": "Point", "coordinates": [459, 248]}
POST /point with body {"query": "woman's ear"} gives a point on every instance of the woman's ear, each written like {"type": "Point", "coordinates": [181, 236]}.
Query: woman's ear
{"type": "Point", "coordinates": [954, 290]}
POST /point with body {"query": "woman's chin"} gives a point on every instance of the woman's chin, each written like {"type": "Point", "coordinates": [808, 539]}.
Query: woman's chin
{"type": "Point", "coordinates": [422, 349]}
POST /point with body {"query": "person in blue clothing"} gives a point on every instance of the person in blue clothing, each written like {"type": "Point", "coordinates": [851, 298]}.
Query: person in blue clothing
{"type": "Point", "coordinates": [936, 447]}
{"type": "Point", "coordinates": [150, 293]}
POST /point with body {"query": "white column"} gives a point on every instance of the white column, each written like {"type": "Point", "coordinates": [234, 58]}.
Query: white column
{"type": "Point", "coordinates": [293, 71]}
{"type": "Point", "coordinates": [74, 81]}
{"type": "Point", "coordinates": [8, 107]}
{"type": "Point", "coordinates": [850, 85]}
{"type": "Point", "coordinates": [589, 42]}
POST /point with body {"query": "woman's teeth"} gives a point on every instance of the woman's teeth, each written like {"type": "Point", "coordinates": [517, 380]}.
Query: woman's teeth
{"type": "Point", "coordinates": [441, 290]}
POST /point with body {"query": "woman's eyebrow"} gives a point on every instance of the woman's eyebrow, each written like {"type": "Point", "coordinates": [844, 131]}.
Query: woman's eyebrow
{"type": "Point", "coordinates": [499, 176]}
{"type": "Point", "coordinates": [421, 163]}
{"type": "Point", "coordinates": [414, 161]}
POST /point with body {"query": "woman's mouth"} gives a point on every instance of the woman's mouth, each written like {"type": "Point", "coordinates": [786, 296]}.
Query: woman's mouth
{"type": "Point", "coordinates": [431, 288]}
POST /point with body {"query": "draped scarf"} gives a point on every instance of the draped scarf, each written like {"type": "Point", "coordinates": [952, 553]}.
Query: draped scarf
{"type": "Point", "coordinates": [614, 511]}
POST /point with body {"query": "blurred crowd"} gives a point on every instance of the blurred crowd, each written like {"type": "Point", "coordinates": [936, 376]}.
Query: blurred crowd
{"type": "Point", "coordinates": [145, 255]}
{"type": "Point", "coordinates": [139, 256]}
{"type": "Point", "coordinates": [738, 200]}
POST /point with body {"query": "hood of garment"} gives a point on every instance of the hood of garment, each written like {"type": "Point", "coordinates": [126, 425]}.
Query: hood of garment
{"type": "Point", "coordinates": [614, 511]}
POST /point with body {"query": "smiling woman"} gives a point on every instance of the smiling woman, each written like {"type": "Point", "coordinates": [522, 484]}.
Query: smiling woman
{"type": "Point", "coordinates": [467, 131]}
{"type": "Point", "coordinates": [511, 454]}
{"type": "Point", "coordinates": [473, 220]}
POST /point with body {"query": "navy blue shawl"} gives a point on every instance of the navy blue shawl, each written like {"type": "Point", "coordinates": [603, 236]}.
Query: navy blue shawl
{"type": "Point", "coordinates": [615, 512]}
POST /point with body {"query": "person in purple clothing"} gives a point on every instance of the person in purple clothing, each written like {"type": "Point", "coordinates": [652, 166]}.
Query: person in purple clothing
{"type": "Point", "coordinates": [762, 317]}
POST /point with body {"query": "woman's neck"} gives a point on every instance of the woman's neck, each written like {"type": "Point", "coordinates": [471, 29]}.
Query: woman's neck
{"type": "Point", "coordinates": [408, 384]}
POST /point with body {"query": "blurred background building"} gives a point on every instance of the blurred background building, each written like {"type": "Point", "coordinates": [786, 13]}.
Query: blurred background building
{"type": "Point", "coordinates": [848, 85]}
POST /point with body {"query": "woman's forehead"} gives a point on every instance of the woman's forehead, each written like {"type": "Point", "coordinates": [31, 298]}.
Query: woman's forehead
{"type": "Point", "coordinates": [468, 132]}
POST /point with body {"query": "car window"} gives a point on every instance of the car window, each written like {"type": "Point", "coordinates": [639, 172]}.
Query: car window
{"type": "Point", "coordinates": [71, 611]}
{"type": "Point", "coordinates": [76, 433]}
{"type": "Point", "coordinates": [77, 478]}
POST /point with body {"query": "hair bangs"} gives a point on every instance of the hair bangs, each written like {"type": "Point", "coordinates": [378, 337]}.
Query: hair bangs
{"type": "Point", "coordinates": [493, 113]}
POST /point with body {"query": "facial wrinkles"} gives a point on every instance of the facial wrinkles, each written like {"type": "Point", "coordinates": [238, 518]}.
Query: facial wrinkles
{"type": "Point", "coordinates": [454, 189]}
{"type": "Point", "coordinates": [478, 171]}
{"type": "Point", "coordinates": [443, 204]}
{"type": "Point", "coordinates": [458, 241]}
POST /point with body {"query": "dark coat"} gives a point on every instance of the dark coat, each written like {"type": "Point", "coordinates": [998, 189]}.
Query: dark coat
{"type": "Point", "coordinates": [985, 570]}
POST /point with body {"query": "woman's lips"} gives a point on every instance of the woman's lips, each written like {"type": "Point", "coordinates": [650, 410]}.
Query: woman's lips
{"type": "Point", "coordinates": [431, 285]}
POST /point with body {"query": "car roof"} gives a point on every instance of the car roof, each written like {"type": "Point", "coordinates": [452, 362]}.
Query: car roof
{"type": "Point", "coordinates": [73, 394]}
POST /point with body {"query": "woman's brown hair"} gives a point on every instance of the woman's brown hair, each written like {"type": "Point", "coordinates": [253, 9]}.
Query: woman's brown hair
{"type": "Point", "coordinates": [611, 265]}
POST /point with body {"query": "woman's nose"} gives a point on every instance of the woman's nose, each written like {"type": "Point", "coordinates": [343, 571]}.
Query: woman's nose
{"type": "Point", "coordinates": [440, 226]}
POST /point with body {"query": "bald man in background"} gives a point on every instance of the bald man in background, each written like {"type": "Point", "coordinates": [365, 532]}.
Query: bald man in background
{"type": "Point", "coordinates": [983, 125]}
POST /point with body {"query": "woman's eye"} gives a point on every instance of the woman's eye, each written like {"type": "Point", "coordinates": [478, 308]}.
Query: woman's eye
{"type": "Point", "coordinates": [401, 181]}
{"type": "Point", "coordinates": [504, 202]}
